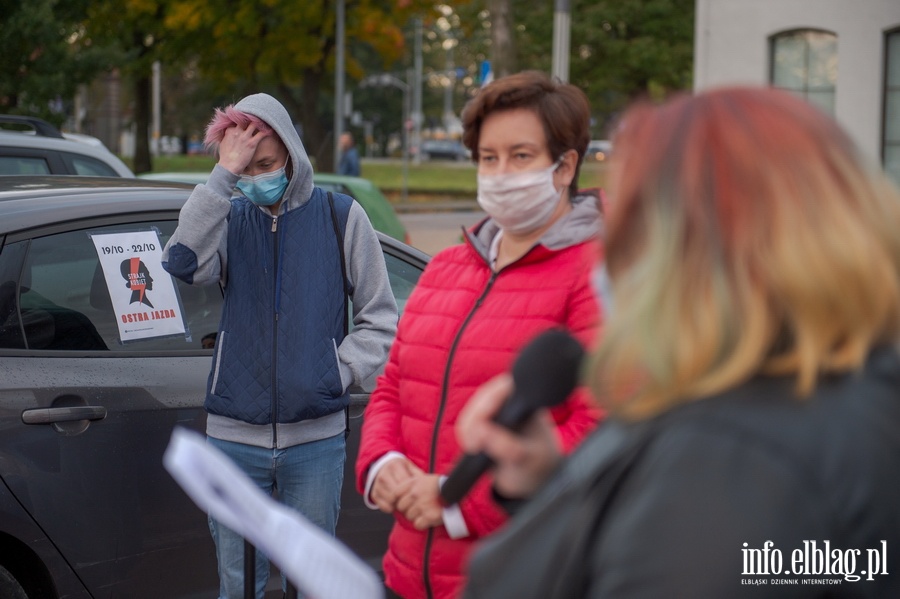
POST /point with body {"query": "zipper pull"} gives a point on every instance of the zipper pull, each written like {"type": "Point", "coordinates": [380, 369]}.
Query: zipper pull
{"type": "Point", "coordinates": [274, 223]}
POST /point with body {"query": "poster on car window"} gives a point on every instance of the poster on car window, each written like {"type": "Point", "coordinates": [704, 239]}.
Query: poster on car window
{"type": "Point", "coordinates": [143, 294]}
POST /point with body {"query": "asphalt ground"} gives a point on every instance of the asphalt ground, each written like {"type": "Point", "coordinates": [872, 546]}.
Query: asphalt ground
{"type": "Point", "coordinates": [433, 231]}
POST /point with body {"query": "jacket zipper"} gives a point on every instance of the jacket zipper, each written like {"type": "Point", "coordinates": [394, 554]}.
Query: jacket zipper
{"type": "Point", "coordinates": [275, 334]}
{"type": "Point", "coordinates": [434, 435]}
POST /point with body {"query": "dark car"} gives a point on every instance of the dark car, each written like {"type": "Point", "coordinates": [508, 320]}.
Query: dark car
{"type": "Point", "coordinates": [31, 146]}
{"type": "Point", "coordinates": [92, 383]}
{"type": "Point", "coordinates": [444, 149]}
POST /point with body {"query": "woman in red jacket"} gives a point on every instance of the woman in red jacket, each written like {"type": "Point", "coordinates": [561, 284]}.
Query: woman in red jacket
{"type": "Point", "coordinates": [523, 270]}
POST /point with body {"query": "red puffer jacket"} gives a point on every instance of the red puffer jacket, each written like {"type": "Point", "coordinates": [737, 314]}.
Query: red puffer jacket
{"type": "Point", "coordinates": [462, 325]}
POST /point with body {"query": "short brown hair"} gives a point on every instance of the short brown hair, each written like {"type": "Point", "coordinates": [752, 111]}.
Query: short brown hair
{"type": "Point", "coordinates": [563, 109]}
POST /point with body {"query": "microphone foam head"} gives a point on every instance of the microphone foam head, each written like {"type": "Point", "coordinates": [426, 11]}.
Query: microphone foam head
{"type": "Point", "coordinates": [547, 369]}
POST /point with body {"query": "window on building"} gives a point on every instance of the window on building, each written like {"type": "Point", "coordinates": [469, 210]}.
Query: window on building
{"type": "Point", "coordinates": [806, 63]}
{"type": "Point", "coordinates": [890, 149]}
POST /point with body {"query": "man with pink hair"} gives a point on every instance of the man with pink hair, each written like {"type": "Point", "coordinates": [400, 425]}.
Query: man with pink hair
{"type": "Point", "coordinates": [288, 256]}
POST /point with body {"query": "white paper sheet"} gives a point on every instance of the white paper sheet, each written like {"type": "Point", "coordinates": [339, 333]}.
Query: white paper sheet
{"type": "Point", "coordinates": [143, 295]}
{"type": "Point", "coordinates": [319, 565]}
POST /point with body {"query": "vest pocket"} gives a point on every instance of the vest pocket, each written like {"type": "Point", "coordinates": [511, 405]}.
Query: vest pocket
{"type": "Point", "coordinates": [335, 386]}
{"type": "Point", "coordinates": [220, 350]}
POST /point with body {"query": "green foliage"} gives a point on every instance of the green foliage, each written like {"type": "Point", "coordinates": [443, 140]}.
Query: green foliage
{"type": "Point", "coordinates": [215, 51]}
{"type": "Point", "coordinates": [135, 27]}
{"type": "Point", "coordinates": [45, 56]}
{"type": "Point", "coordinates": [622, 50]}
{"type": "Point", "coordinates": [287, 48]}
{"type": "Point", "coordinates": [246, 45]}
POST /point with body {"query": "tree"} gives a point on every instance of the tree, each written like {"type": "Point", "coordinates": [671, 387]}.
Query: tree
{"type": "Point", "coordinates": [45, 55]}
{"type": "Point", "coordinates": [186, 103]}
{"type": "Point", "coordinates": [287, 48]}
{"type": "Point", "coordinates": [139, 29]}
{"type": "Point", "coordinates": [622, 50]}
{"type": "Point", "coordinates": [503, 41]}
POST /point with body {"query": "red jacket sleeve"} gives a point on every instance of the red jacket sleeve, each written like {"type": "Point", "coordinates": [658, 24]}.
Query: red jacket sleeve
{"type": "Point", "coordinates": [381, 423]}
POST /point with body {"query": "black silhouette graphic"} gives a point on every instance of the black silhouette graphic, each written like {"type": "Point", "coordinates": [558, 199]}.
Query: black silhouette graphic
{"type": "Point", "coordinates": [138, 278]}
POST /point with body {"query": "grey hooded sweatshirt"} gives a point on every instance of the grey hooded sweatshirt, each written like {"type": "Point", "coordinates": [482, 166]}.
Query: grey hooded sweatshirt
{"type": "Point", "coordinates": [198, 253]}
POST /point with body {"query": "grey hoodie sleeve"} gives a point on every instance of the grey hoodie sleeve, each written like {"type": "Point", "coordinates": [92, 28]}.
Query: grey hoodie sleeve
{"type": "Point", "coordinates": [365, 349]}
{"type": "Point", "coordinates": [196, 252]}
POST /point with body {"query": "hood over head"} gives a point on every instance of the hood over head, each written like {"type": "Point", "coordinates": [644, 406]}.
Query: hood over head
{"type": "Point", "coordinates": [276, 115]}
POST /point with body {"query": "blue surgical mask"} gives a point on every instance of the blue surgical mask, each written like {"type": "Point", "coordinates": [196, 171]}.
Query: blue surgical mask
{"type": "Point", "coordinates": [264, 189]}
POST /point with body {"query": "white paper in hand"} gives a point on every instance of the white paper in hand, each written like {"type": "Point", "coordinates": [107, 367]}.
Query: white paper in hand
{"type": "Point", "coordinates": [315, 562]}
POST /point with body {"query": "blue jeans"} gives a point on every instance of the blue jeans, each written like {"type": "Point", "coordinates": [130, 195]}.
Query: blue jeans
{"type": "Point", "coordinates": [306, 477]}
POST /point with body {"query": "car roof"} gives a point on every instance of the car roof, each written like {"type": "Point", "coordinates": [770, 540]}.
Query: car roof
{"type": "Point", "coordinates": [192, 177]}
{"type": "Point", "coordinates": [335, 178]}
{"type": "Point", "coordinates": [27, 200]}
{"type": "Point", "coordinates": [24, 139]}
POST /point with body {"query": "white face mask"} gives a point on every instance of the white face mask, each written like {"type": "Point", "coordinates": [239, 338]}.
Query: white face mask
{"type": "Point", "coordinates": [519, 202]}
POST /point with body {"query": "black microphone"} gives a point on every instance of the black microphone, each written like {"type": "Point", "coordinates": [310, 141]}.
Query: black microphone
{"type": "Point", "coordinates": [544, 374]}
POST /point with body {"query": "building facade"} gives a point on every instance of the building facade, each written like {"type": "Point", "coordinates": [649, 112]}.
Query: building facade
{"type": "Point", "coordinates": [843, 56]}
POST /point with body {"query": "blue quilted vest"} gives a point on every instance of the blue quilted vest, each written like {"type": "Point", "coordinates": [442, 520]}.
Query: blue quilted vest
{"type": "Point", "coordinates": [283, 318]}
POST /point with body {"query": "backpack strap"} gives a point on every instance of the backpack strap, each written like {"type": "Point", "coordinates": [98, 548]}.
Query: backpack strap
{"type": "Point", "coordinates": [347, 291]}
{"type": "Point", "coordinates": [348, 288]}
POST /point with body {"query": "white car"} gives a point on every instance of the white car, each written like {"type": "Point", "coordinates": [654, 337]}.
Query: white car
{"type": "Point", "coordinates": [43, 150]}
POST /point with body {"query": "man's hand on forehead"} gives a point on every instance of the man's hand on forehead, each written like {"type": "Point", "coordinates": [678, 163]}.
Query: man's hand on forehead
{"type": "Point", "coordinates": [238, 147]}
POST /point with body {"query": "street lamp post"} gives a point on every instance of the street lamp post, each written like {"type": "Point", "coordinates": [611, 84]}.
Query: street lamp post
{"type": "Point", "coordinates": [385, 80]}
{"type": "Point", "coordinates": [562, 25]}
{"type": "Point", "coordinates": [338, 82]}
{"type": "Point", "coordinates": [450, 72]}
{"type": "Point", "coordinates": [417, 116]}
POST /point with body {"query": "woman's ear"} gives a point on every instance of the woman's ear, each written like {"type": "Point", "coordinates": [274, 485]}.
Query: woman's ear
{"type": "Point", "coordinates": [565, 173]}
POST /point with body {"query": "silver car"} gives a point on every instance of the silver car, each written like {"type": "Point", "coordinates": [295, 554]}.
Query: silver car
{"type": "Point", "coordinates": [38, 148]}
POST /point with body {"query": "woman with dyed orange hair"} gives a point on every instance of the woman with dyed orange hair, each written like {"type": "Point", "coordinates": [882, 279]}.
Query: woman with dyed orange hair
{"type": "Point", "coordinates": [750, 363]}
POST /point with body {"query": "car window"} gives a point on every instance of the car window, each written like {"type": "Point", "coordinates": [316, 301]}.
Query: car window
{"type": "Point", "coordinates": [403, 277]}
{"type": "Point", "coordinates": [23, 165]}
{"type": "Point", "coordinates": [85, 165]}
{"type": "Point", "coordinates": [10, 267]}
{"type": "Point", "coordinates": [334, 188]}
{"type": "Point", "coordinates": [58, 298]}
{"type": "Point", "coordinates": [54, 296]}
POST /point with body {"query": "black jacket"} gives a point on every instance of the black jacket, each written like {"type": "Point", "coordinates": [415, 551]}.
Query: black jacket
{"type": "Point", "coordinates": [684, 505]}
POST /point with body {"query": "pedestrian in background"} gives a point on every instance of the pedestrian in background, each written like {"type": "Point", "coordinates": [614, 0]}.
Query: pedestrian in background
{"type": "Point", "coordinates": [349, 163]}
{"type": "Point", "coordinates": [750, 364]}
{"type": "Point", "coordinates": [524, 269]}
{"type": "Point", "coordinates": [277, 392]}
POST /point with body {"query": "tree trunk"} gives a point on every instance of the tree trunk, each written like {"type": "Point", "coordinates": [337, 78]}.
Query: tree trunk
{"type": "Point", "coordinates": [503, 43]}
{"type": "Point", "coordinates": [143, 162]}
{"type": "Point", "coordinates": [316, 138]}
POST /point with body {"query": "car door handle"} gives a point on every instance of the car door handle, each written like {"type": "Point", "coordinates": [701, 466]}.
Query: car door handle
{"type": "Point", "coordinates": [68, 414]}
